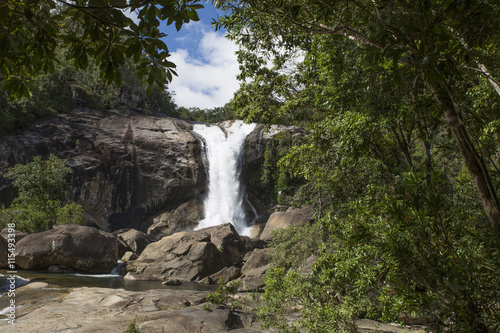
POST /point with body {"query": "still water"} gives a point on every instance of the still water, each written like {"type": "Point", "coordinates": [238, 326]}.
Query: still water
{"type": "Point", "coordinates": [101, 281]}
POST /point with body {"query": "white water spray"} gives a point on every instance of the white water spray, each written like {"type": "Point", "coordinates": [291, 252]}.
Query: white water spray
{"type": "Point", "coordinates": [224, 202]}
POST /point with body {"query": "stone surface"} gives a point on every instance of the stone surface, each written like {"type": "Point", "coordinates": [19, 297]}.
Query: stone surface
{"type": "Point", "coordinates": [188, 320]}
{"type": "Point", "coordinates": [79, 248]}
{"type": "Point", "coordinates": [19, 234]}
{"type": "Point", "coordinates": [126, 166]}
{"type": "Point", "coordinates": [258, 258]}
{"type": "Point", "coordinates": [84, 310]}
{"type": "Point", "coordinates": [227, 274]}
{"type": "Point", "coordinates": [183, 218]}
{"type": "Point", "coordinates": [172, 282]}
{"type": "Point", "coordinates": [103, 310]}
{"type": "Point", "coordinates": [59, 269]}
{"type": "Point", "coordinates": [253, 157]}
{"type": "Point", "coordinates": [254, 280]}
{"type": "Point", "coordinates": [129, 255]}
{"type": "Point", "coordinates": [135, 240]}
{"type": "Point", "coordinates": [188, 255]}
{"type": "Point", "coordinates": [254, 270]}
{"type": "Point", "coordinates": [254, 243]}
{"type": "Point", "coordinates": [292, 217]}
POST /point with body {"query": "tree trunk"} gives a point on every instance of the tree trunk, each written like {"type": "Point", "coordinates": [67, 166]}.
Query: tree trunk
{"type": "Point", "coordinates": [474, 162]}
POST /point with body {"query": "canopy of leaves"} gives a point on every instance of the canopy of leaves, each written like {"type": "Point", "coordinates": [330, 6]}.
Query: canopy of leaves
{"type": "Point", "coordinates": [32, 32]}
{"type": "Point", "coordinates": [403, 231]}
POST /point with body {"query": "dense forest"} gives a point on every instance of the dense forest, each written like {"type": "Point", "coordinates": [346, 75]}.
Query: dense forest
{"type": "Point", "coordinates": [400, 101]}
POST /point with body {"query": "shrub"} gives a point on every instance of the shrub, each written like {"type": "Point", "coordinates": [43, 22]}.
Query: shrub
{"type": "Point", "coordinates": [42, 188]}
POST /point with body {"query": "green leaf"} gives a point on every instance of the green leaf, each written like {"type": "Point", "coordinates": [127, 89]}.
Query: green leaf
{"type": "Point", "coordinates": [178, 25]}
{"type": "Point", "coordinates": [117, 78]}
{"type": "Point", "coordinates": [193, 15]}
{"type": "Point", "coordinates": [134, 49]}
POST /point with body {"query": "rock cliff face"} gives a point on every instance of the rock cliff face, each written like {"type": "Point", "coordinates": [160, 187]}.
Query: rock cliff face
{"type": "Point", "coordinates": [127, 167]}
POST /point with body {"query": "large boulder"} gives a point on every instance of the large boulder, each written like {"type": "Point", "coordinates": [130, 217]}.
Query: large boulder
{"type": "Point", "coordinates": [189, 320]}
{"type": "Point", "coordinates": [254, 270]}
{"type": "Point", "coordinates": [126, 166]}
{"type": "Point", "coordinates": [184, 218]}
{"type": "Point", "coordinates": [7, 232]}
{"type": "Point", "coordinates": [258, 258]}
{"type": "Point", "coordinates": [135, 240]}
{"type": "Point", "coordinates": [292, 217]}
{"type": "Point", "coordinates": [188, 255]}
{"type": "Point", "coordinates": [79, 248]}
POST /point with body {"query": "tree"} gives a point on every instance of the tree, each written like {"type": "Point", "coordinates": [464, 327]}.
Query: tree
{"type": "Point", "coordinates": [444, 43]}
{"type": "Point", "coordinates": [402, 230]}
{"type": "Point", "coordinates": [33, 32]}
{"type": "Point", "coordinates": [42, 188]}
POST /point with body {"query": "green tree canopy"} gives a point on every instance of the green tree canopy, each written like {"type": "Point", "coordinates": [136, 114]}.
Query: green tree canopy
{"type": "Point", "coordinates": [400, 104]}
{"type": "Point", "coordinates": [42, 189]}
{"type": "Point", "coordinates": [444, 46]}
{"type": "Point", "coordinates": [32, 32]}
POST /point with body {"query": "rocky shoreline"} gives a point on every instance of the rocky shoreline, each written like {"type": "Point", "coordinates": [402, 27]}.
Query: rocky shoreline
{"type": "Point", "coordinates": [202, 256]}
{"type": "Point", "coordinates": [44, 308]}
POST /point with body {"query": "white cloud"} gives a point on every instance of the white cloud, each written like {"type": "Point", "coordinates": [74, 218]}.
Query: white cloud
{"type": "Point", "coordinates": [207, 73]}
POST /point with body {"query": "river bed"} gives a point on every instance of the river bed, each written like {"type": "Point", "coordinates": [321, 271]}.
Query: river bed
{"type": "Point", "coordinates": [75, 280]}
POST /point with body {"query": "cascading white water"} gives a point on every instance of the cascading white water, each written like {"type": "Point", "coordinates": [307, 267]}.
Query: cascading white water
{"type": "Point", "coordinates": [224, 202]}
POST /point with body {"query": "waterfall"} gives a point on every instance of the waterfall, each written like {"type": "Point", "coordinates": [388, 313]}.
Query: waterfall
{"type": "Point", "coordinates": [223, 151]}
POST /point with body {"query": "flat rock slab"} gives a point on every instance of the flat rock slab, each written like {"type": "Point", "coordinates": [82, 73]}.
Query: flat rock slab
{"type": "Point", "coordinates": [83, 310]}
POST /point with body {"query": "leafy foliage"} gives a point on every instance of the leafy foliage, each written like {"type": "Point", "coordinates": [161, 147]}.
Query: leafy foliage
{"type": "Point", "coordinates": [397, 115]}
{"type": "Point", "coordinates": [224, 292]}
{"type": "Point", "coordinates": [32, 32]}
{"type": "Point", "coordinates": [68, 88]}
{"type": "Point", "coordinates": [42, 188]}
{"type": "Point", "coordinates": [132, 328]}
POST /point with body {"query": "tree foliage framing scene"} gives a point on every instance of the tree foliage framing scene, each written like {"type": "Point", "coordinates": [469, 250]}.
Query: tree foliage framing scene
{"type": "Point", "coordinates": [398, 105]}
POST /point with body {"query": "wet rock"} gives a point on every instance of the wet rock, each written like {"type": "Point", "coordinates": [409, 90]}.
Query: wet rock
{"type": "Point", "coordinates": [254, 151]}
{"type": "Point", "coordinates": [79, 248]}
{"type": "Point", "coordinates": [59, 269]}
{"type": "Point", "coordinates": [10, 282]}
{"type": "Point", "coordinates": [172, 282]}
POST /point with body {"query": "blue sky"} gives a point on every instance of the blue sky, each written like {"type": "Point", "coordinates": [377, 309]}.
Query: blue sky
{"type": "Point", "coordinates": [206, 62]}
